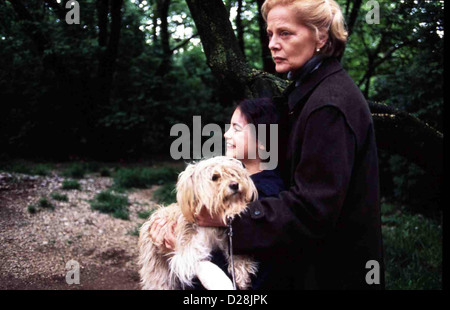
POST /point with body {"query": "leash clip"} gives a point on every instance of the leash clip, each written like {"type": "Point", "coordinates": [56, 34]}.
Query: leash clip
{"type": "Point", "coordinates": [230, 228]}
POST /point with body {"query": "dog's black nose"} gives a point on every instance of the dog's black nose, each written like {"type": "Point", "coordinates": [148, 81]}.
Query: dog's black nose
{"type": "Point", "coordinates": [234, 186]}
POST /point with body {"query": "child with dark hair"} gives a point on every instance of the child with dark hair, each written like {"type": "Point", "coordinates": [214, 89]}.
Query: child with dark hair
{"type": "Point", "coordinates": [240, 141]}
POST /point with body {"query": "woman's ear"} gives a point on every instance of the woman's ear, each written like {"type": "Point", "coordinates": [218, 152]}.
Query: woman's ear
{"type": "Point", "coordinates": [323, 38]}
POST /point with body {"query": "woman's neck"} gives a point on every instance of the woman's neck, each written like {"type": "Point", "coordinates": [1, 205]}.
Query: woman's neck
{"type": "Point", "coordinates": [252, 165]}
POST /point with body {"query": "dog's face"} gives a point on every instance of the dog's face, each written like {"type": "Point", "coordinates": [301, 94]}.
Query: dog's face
{"type": "Point", "coordinates": [221, 184]}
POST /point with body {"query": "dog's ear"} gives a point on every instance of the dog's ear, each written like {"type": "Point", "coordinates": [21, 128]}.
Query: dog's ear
{"type": "Point", "coordinates": [185, 192]}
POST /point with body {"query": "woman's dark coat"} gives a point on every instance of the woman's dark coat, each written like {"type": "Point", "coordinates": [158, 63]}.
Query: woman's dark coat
{"type": "Point", "coordinates": [321, 233]}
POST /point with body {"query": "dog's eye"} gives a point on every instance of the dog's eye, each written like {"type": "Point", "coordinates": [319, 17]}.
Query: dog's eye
{"type": "Point", "coordinates": [215, 177]}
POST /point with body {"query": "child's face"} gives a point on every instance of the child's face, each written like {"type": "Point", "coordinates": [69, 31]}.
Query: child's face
{"type": "Point", "coordinates": [240, 141]}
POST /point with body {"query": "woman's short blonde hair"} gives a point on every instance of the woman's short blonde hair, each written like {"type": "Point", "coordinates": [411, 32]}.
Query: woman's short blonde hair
{"type": "Point", "coordinates": [322, 16]}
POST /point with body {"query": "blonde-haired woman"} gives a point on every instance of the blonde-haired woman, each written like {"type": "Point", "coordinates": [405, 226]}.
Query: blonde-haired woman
{"type": "Point", "coordinates": [325, 231]}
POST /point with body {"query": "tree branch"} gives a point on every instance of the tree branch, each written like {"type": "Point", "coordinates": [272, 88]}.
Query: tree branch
{"type": "Point", "coordinates": [353, 16]}
{"type": "Point", "coordinates": [186, 41]}
{"type": "Point", "coordinates": [401, 133]}
{"type": "Point", "coordinates": [387, 55]}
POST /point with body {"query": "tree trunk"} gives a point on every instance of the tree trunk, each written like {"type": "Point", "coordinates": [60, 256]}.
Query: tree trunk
{"type": "Point", "coordinates": [224, 57]}
{"type": "Point", "coordinates": [154, 22]}
{"type": "Point", "coordinates": [162, 7]}
{"type": "Point", "coordinates": [268, 64]}
{"type": "Point", "coordinates": [240, 28]}
{"type": "Point", "coordinates": [102, 17]}
{"type": "Point", "coordinates": [347, 8]}
{"type": "Point", "coordinates": [116, 24]}
{"type": "Point", "coordinates": [109, 46]}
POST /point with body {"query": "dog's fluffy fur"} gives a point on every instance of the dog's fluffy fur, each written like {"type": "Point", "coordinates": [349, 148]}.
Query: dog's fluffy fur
{"type": "Point", "coordinates": [210, 183]}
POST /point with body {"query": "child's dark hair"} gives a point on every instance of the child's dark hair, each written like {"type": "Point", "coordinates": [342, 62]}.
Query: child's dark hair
{"type": "Point", "coordinates": [260, 111]}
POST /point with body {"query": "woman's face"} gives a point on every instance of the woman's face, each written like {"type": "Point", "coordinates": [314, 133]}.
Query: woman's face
{"type": "Point", "coordinates": [239, 139]}
{"type": "Point", "coordinates": [291, 43]}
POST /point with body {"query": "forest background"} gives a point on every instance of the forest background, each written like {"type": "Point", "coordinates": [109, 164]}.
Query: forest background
{"type": "Point", "coordinates": [110, 88]}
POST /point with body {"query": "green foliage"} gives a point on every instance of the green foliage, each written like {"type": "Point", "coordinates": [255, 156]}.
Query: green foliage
{"type": "Point", "coordinates": [104, 172]}
{"type": "Point", "coordinates": [406, 53]}
{"type": "Point", "coordinates": [166, 194]}
{"type": "Point", "coordinates": [45, 204]}
{"type": "Point", "coordinates": [413, 250]}
{"type": "Point", "coordinates": [92, 166]}
{"type": "Point", "coordinates": [59, 197]}
{"type": "Point", "coordinates": [43, 87]}
{"type": "Point", "coordinates": [411, 185]}
{"type": "Point", "coordinates": [143, 177]}
{"type": "Point", "coordinates": [75, 170]}
{"type": "Point", "coordinates": [52, 104]}
{"type": "Point", "coordinates": [25, 167]}
{"type": "Point", "coordinates": [16, 166]}
{"type": "Point", "coordinates": [32, 209]}
{"type": "Point", "coordinates": [123, 122]}
{"type": "Point", "coordinates": [71, 184]}
{"type": "Point", "coordinates": [145, 214]}
{"type": "Point", "coordinates": [108, 202]}
{"type": "Point", "coordinates": [135, 231]}
{"type": "Point", "coordinates": [413, 79]}
{"type": "Point", "coordinates": [41, 169]}
{"type": "Point", "coordinates": [78, 170]}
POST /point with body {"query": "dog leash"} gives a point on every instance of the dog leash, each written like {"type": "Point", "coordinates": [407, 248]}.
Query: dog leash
{"type": "Point", "coordinates": [230, 249]}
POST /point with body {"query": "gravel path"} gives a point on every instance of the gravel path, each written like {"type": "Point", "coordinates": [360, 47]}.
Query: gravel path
{"type": "Point", "coordinates": [34, 248]}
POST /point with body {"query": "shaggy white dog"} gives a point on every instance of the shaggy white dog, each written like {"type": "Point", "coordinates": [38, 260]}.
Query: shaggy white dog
{"type": "Point", "coordinates": [224, 187]}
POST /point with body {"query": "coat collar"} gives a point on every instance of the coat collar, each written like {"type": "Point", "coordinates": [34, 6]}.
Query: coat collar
{"type": "Point", "coordinates": [295, 94]}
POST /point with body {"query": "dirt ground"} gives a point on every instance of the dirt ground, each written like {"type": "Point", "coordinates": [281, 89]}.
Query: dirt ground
{"type": "Point", "coordinates": [35, 248]}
